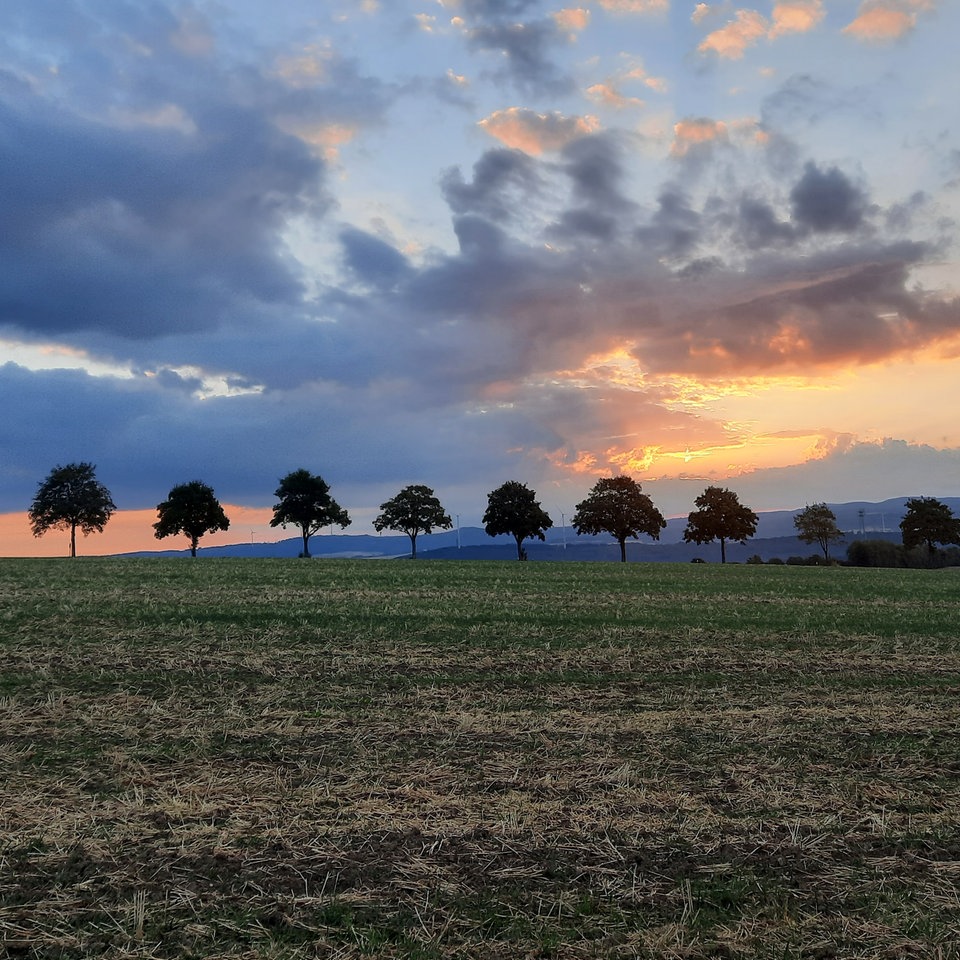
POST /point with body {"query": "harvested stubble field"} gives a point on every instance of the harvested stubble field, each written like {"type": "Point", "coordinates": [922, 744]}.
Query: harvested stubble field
{"type": "Point", "coordinates": [240, 758]}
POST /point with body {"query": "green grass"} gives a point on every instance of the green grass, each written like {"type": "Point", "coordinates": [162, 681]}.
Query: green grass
{"type": "Point", "coordinates": [290, 759]}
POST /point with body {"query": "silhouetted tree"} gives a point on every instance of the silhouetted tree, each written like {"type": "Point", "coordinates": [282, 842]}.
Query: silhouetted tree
{"type": "Point", "coordinates": [305, 502]}
{"type": "Point", "coordinates": [414, 510]}
{"type": "Point", "coordinates": [190, 508]}
{"type": "Point", "coordinates": [929, 521]}
{"type": "Point", "coordinates": [69, 498]}
{"type": "Point", "coordinates": [617, 506]}
{"type": "Point", "coordinates": [512, 508]}
{"type": "Point", "coordinates": [817, 523]}
{"type": "Point", "coordinates": [721, 517]}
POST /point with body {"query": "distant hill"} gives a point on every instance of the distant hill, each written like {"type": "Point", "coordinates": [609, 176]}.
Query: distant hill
{"type": "Point", "coordinates": [776, 537]}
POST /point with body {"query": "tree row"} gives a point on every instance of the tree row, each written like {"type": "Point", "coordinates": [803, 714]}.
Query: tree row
{"type": "Point", "coordinates": [72, 498]}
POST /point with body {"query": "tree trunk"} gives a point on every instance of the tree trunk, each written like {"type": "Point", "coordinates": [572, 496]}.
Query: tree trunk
{"type": "Point", "coordinates": [413, 546]}
{"type": "Point", "coordinates": [73, 539]}
{"type": "Point", "coordinates": [723, 550]}
{"type": "Point", "coordinates": [519, 546]}
{"type": "Point", "coordinates": [306, 543]}
{"type": "Point", "coordinates": [623, 550]}
{"type": "Point", "coordinates": [193, 546]}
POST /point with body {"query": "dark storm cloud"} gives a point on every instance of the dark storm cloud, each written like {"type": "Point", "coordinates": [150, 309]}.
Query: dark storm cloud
{"type": "Point", "coordinates": [793, 276]}
{"type": "Point", "coordinates": [62, 416]}
{"type": "Point", "coordinates": [759, 227]}
{"type": "Point", "coordinates": [527, 45]}
{"type": "Point", "coordinates": [867, 313]}
{"type": "Point", "coordinates": [594, 165]}
{"type": "Point", "coordinates": [156, 204]}
{"type": "Point", "coordinates": [827, 200]}
{"type": "Point", "coordinates": [479, 239]}
{"type": "Point", "coordinates": [587, 223]}
{"type": "Point", "coordinates": [500, 178]}
{"type": "Point", "coordinates": [144, 234]}
{"type": "Point", "coordinates": [144, 437]}
{"type": "Point", "coordinates": [527, 48]}
{"type": "Point", "coordinates": [371, 260]}
{"type": "Point", "coordinates": [675, 228]}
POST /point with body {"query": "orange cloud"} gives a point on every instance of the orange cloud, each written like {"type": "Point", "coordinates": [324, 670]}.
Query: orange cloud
{"type": "Point", "coordinates": [795, 16]}
{"type": "Point", "coordinates": [750, 27]}
{"type": "Point", "coordinates": [880, 21]}
{"type": "Point", "coordinates": [574, 19]}
{"type": "Point", "coordinates": [534, 132]}
{"type": "Point", "coordinates": [608, 95]}
{"type": "Point", "coordinates": [732, 40]}
{"type": "Point", "coordinates": [689, 134]}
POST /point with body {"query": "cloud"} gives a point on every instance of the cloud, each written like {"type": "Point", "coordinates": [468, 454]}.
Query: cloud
{"type": "Point", "coordinates": [609, 95]}
{"type": "Point", "coordinates": [175, 222]}
{"type": "Point", "coordinates": [700, 13]}
{"type": "Point", "coordinates": [731, 41]}
{"type": "Point", "coordinates": [595, 167]}
{"type": "Point", "coordinates": [827, 200]}
{"type": "Point", "coordinates": [805, 100]}
{"type": "Point", "coordinates": [694, 132]}
{"type": "Point", "coordinates": [499, 176]}
{"type": "Point", "coordinates": [525, 46]}
{"type": "Point", "coordinates": [795, 16]}
{"type": "Point", "coordinates": [534, 132]}
{"type": "Point", "coordinates": [372, 261]}
{"type": "Point", "coordinates": [749, 27]}
{"type": "Point", "coordinates": [610, 92]}
{"type": "Point", "coordinates": [675, 228]}
{"type": "Point", "coordinates": [123, 231]}
{"type": "Point", "coordinates": [573, 19]}
{"type": "Point", "coordinates": [881, 21]}
{"type": "Point", "coordinates": [876, 470]}
{"type": "Point", "coordinates": [635, 6]}
{"type": "Point", "coordinates": [759, 227]}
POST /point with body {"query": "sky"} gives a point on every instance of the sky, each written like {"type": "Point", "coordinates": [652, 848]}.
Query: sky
{"type": "Point", "coordinates": [459, 242]}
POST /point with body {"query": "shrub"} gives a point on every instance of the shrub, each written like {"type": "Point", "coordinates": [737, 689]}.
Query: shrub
{"type": "Point", "coordinates": [875, 553]}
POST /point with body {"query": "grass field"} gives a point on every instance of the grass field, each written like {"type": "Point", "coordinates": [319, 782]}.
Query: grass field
{"type": "Point", "coordinates": [240, 758]}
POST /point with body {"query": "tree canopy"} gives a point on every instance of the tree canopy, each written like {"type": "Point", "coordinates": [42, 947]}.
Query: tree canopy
{"type": "Point", "coordinates": [71, 497]}
{"type": "Point", "coordinates": [617, 506]}
{"type": "Point", "coordinates": [306, 503]}
{"type": "Point", "coordinates": [817, 523]}
{"type": "Point", "coordinates": [414, 510]}
{"type": "Point", "coordinates": [190, 508]}
{"type": "Point", "coordinates": [929, 521]}
{"type": "Point", "coordinates": [513, 508]}
{"type": "Point", "coordinates": [720, 516]}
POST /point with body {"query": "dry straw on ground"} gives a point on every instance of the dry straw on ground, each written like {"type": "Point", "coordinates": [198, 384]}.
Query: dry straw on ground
{"type": "Point", "coordinates": [269, 760]}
